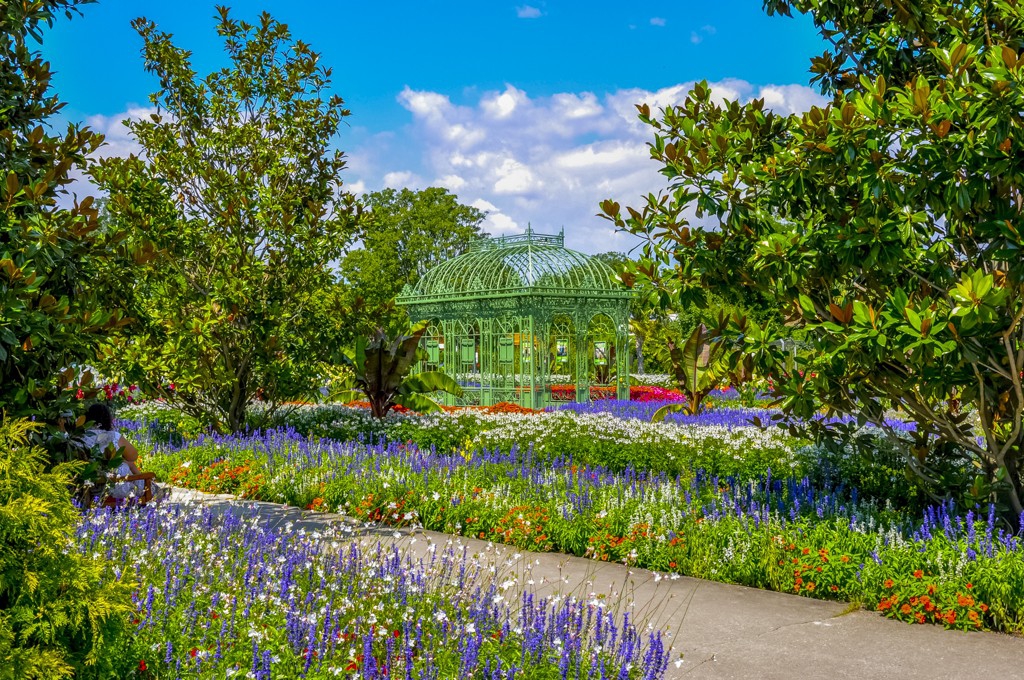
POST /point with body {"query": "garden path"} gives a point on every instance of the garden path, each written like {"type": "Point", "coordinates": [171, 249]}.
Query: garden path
{"type": "Point", "coordinates": [723, 631]}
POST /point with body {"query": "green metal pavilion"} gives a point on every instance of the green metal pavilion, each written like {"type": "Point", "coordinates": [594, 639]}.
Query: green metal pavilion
{"type": "Point", "coordinates": [523, 319]}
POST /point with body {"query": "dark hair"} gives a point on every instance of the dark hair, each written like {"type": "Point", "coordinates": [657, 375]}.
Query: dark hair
{"type": "Point", "coordinates": [101, 415]}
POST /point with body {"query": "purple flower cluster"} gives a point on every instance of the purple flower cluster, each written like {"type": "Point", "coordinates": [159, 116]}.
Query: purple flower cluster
{"type": "Point", "coordinates": [221, 593]}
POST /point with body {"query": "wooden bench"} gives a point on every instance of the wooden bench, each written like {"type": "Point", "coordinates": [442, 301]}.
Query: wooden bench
{"type": "Point", "coordinates": [147, 490]}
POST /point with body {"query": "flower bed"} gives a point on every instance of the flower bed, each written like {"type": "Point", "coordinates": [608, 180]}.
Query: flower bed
{"type": "Point", "coordinates": [220, 597]}
{"type": "Point", "coordinates": [957, 569]}
{"type": "Point", "coordinates": [718, 442]}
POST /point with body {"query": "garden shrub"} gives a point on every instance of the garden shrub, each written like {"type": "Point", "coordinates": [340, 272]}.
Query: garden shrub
{"type": "Point", "coordinates": [58, 617]}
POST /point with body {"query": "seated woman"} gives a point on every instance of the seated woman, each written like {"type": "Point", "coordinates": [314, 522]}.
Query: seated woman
{"type": "Point", "coordinates": [103, 435]}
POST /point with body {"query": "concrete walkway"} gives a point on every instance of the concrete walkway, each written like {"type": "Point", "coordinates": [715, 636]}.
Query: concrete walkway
{"type": "Point", "coordinates": [722, 631]}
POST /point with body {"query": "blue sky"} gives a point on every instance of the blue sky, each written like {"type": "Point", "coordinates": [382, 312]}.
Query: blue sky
{"type": "Point", "coordinates": [523, 109]}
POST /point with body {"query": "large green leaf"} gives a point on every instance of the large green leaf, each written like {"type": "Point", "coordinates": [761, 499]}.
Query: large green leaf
{"type": "Point", "coordinates": [662, 412]}
{"type": "Point", "coordinates": [418, 402]}
{"type": "Point", "coordinates": [431, 381]}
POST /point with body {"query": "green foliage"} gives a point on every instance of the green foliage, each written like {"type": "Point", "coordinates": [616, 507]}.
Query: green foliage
{"type": "Point", "coordinates": [58, 617]}
{"type": "Point", "coordinates": [51, 317]}
{"type": "Point", "coordinates": [381, 368]}
{"type": "Point", "coordinates": [403, 233]}
{"type": "Point", "coordinates": [885, 223]}
{"type": "Point", "coordinates": [235, 216]}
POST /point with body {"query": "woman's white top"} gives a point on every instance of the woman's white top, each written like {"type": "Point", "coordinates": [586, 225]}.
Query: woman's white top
{"type": "Point", "coordinates": [103, 439]}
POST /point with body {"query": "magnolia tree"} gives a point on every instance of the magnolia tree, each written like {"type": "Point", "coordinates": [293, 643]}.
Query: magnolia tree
{"type": "Point", "coordinates": [52, 315]}
{"type": "Point", "coordinates": [888, 223]}
{"type": "Point", "coordinates": [238, 206]}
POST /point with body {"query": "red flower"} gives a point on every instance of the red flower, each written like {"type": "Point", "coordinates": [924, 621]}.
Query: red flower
{"type": "Point", "coordinates": [192, 652]}
{"type": "Point", "coordinates": [142, 665]}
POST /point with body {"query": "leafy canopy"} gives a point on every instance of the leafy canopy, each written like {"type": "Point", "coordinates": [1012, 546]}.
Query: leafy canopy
{"type": "Point", "coordinates": [235, 213]}
{"type": "Point", "coordinates": [886, 222]}
{"type": "Point", "coordinates": [404, 233]}
{"type": "Point", "coordinates": [51, 316]}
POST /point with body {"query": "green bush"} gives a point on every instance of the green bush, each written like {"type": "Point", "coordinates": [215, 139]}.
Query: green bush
{"type": "Point", "coordinates": [58, 618]}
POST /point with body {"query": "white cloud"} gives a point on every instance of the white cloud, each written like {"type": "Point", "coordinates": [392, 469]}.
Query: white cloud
{"type": "Point", "coordinates": [403, 179]}
{"type": "Point", "coordinates": [451, 182]}
{"type": "Point", "coordinates": [658, 21]}
{"type": "Point", "coordinates": [697, 37]}
{"type": "Point", "coordinates": [117, 142]}
{"type": "Point", "coordinates": [528, 12]}
{"type": "Point", "coordinates": [546, 160]}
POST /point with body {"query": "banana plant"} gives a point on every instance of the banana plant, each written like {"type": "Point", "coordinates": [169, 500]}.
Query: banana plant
{"type": "Point", "coordinates": [381, 368]}
{"type": "Point", "coordinates": [695, 368]}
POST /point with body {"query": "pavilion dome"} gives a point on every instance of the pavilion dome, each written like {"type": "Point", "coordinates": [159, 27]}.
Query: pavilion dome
{"type": "Point", "coordinates": [529, 264]}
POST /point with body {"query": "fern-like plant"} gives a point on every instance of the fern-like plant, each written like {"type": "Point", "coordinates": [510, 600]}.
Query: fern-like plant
{"type": "Point", "coordinates": [60, 617]}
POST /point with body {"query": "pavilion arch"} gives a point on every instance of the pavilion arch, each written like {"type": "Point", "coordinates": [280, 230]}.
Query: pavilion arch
{"type": "Point", "coordinates": [519, 310]}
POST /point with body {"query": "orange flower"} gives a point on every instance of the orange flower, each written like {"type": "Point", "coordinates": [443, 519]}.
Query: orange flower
{"type": "Point", "coordinates": [951, 617]}
{"type": "Point", "coordinates": [905, 609]}
{"type": "Point", "coordinates": [807, 551]}
{"type": "Point", "coordinates": [918, 573]}
{"type": "Point", "coordinates": [929, 607]}
{"type": "Point", "coordinates": [884, 604]}
{"type": "Point", "coordinates": [964, 600]}
{"type": "Point", "coordinates": [844, 559]}
{"type": "Point", "coordinates": [888, 583]}
{"type": "Point", "coordinates": [983, 607]}
{"type": "Point", "coordinates": [919, 617]}
{"type": "Point", "coordinates": [810, 586]}
{"type": "Point", "coordinates": [973, 616]}
{"type": "Point", "coordinates": [913, 601]}
{"type": "Point", "coordinates": [969, 586]}
{"type": "Point", "coordinates": [931, 588]}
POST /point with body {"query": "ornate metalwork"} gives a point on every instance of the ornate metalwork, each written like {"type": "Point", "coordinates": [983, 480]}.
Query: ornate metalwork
{"type": "Point", "coordinates": [524, 319]}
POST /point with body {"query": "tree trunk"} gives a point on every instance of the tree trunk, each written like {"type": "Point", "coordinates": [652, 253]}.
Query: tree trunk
{"type": "Point", "coordinates": [1015, 493]}
{"type": "Point", "coordinates": [639, 355]}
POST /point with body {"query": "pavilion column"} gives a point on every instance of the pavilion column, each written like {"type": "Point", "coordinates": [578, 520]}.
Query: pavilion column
{"type": "Point", "coordinates": [486, 361]}
{"type": "Point", "coordinates": [622, 350]}
{"type": "Point", "coordinates": [582, 359]}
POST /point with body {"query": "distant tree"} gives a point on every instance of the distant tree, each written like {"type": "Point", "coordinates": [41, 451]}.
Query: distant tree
{"type": "Point", "coordinates": [238, 200]}
{"type": "Point", "coordinates": [51, 316]}
{"type": "Point", "coordinates": [404, 233]}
